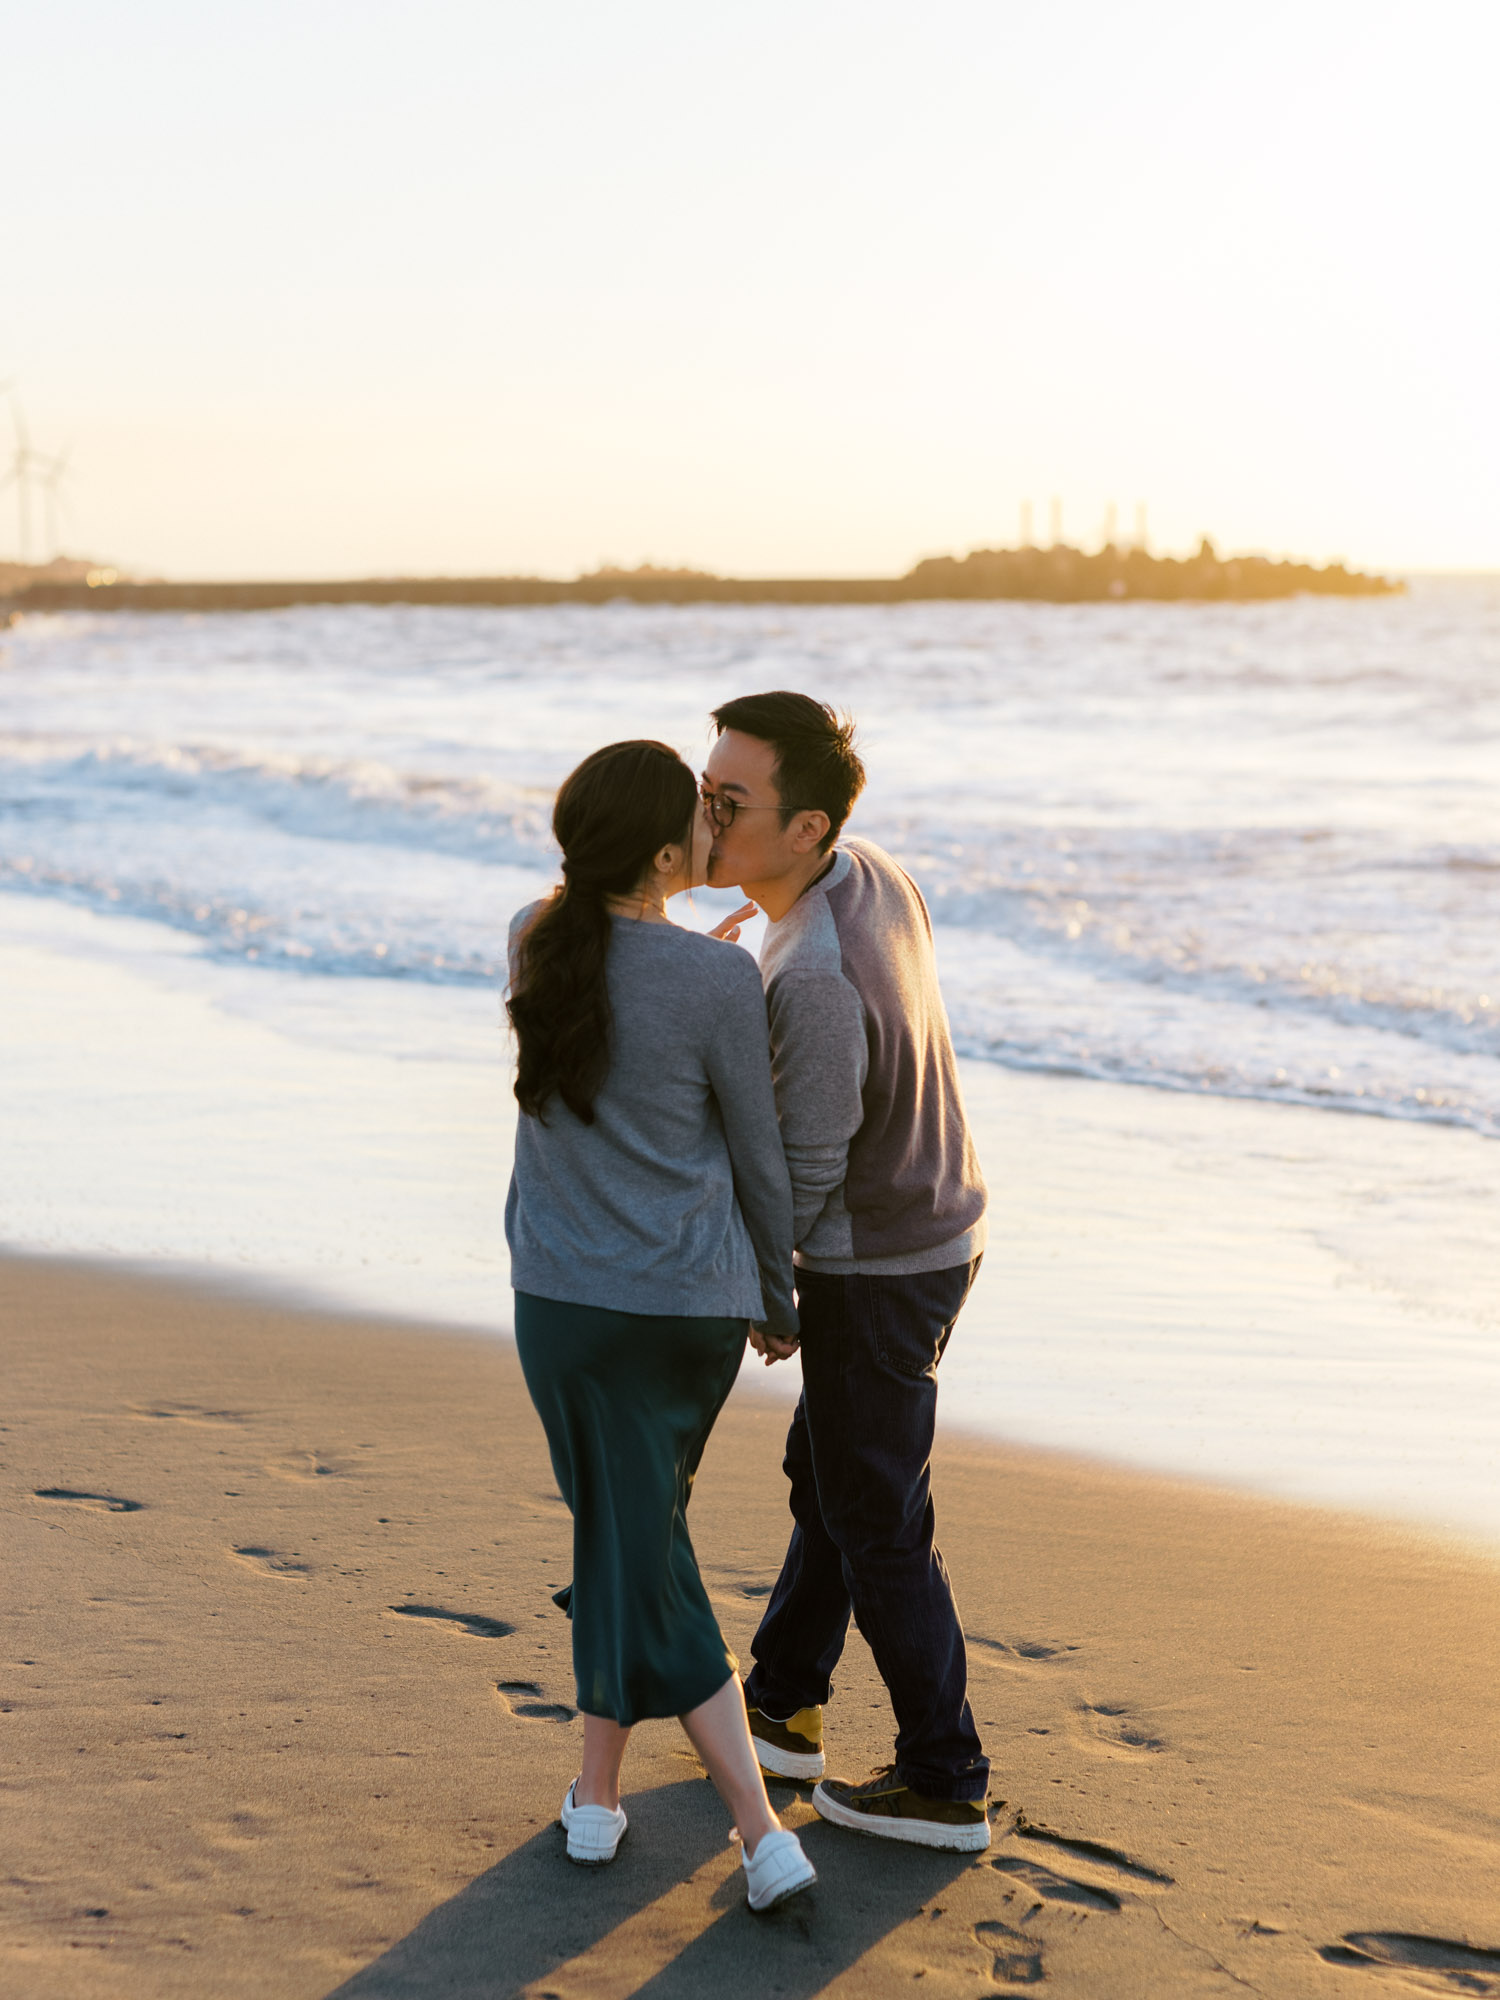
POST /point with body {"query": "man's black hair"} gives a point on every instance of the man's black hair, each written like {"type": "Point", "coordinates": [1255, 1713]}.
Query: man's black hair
{"type": "Point", "coordinates": [817, 766]}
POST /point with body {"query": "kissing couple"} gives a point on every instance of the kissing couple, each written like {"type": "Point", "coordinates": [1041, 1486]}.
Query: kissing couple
{"type": "Point", "coordinates": [709, 1151]}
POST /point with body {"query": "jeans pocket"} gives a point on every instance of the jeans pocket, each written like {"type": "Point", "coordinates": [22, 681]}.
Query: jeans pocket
{"type": "Point", "coordinates": [906, 1338]}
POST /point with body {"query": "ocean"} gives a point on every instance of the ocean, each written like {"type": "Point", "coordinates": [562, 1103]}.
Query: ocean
{"type": "Point", "coordinates": [1247, 850]}
{"type": "Point", "coordinates": [1222, 851]}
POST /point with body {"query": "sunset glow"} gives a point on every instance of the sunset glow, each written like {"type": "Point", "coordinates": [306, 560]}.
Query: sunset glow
{"type": "Point", "coordinates": [790, 290]}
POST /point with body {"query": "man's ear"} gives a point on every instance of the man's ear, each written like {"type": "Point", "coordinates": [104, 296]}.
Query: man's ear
{"type": "Point", "coordinates": [812, 831]}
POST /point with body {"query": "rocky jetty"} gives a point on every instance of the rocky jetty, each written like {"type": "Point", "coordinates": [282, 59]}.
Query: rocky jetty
{"type": "Point", "coordinates": [1057, 575]}
{"type": "Point", "coordinates": [1063, 575]}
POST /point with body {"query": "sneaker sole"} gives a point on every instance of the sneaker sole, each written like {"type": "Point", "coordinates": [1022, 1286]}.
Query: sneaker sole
{"type": "Point", "coordinates": [915, 1832]}
{"type": "Point", "coordinates": [786, 1892]}
{"type": "Point", "coordinates": [804, 1767]}
{"type": "Point", "coordinates": [597, 1859]}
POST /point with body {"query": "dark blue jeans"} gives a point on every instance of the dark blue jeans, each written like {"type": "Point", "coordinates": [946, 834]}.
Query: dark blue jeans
{"type": "Point", "coordinates": [858, 1456]}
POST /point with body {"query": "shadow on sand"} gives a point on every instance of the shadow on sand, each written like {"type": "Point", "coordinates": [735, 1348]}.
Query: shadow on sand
{"type": "Point", "coordinates": [667, 1921]}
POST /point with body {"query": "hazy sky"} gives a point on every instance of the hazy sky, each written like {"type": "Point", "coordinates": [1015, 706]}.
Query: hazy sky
{"type": "Point", "coordinates": [325, 288]}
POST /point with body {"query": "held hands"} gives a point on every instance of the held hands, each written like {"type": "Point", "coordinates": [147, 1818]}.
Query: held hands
{"type": "Point", "coordinates": [728, 932]}
{"type": "Point", "coordinates": [770, 1346]}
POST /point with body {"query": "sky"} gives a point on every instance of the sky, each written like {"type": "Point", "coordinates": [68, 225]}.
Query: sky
{"type": "Point", "coordinates": [319, 289]}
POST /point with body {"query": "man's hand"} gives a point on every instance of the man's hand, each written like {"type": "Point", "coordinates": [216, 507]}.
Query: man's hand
{"type": "Point", "coordinates": [770, 1346]}
{"type": "Point", "coordinates": [728, 932]}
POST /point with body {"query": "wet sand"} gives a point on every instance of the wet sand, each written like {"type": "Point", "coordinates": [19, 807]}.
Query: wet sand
{"type": "Point", "coordinates": [287, 1710]}
{"type": "Point", "coordinates": [1289, 1301]}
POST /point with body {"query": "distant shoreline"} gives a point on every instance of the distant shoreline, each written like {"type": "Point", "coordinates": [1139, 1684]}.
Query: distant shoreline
{"type": "Point", "coordinates": [1058, 575]}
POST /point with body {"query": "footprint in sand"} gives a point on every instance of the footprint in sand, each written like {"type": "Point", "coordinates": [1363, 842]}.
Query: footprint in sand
{"type": "Point", "coordinates": [239, 1831]}
{"type": "Point", "coordinates": [1017, 1957]}
{"type": "Point", "coordinates": [1020, 1655]}
{"type": "Point", "coordinates": [1112, 1726]}
{"type": "Point", "coordinates": [466, 1621]}
{"type": "Point", "coordinates": [1054, 1888]}
{"type": "Point", "coordinates": [270, 1562]}
{"type": "Point", "coordinates": [97, 1503]}
{"type": "Point", "coordinates": [306, 1467]}
{"type": "Point", "coordinates": [523, 1699]}
{"type": "Point", "coordinates": [187, 1413]}
{"type": "Point", "coordinates": [1091, 1850]}
{"type": "Point", "coordinates": [1433, 1965]}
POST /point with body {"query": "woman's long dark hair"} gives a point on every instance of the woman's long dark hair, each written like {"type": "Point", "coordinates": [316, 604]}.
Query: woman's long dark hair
{"type": "Point", "coordinates": [612, 816]}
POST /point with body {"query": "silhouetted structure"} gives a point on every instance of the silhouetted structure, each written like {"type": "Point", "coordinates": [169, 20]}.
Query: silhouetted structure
{"type": "Point", "coordinates": [16, 577]}
{"type": "Point", "coordinates": [1059, 575]}
{"type": "Point", "coordinates": [1069, 576]}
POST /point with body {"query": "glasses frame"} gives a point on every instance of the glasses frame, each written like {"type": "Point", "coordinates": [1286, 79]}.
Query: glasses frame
{"type": "Point", "coordinates": [721, 808]}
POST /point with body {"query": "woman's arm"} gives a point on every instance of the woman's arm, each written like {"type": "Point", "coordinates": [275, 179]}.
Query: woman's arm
{"type": "Point", "coordinates": [739, 1070]}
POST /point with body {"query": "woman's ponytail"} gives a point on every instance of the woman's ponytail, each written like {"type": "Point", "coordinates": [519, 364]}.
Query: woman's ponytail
{"type": "Point", "coordinates": [612, 816]}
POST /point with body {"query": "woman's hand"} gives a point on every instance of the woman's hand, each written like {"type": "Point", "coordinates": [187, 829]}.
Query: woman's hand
{"type": "Point", "coordinates": [728, 932]}
{"type": "Point", "coordinates": [771, 1347]}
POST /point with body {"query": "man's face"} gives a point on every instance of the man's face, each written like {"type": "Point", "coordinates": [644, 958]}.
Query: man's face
{"type": "Point", "coordinates": [756, 848]}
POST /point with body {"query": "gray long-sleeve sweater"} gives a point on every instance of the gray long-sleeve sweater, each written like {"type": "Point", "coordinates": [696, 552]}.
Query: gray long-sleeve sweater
{"type": "Point", "coordinates": [676, 1200]}
{"type": "Point", "coordinates": [884, 1174]}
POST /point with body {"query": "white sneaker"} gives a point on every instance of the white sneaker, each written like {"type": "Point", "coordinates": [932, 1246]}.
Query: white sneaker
{"type": "Point", "coordinates": [593, 1831]}
{"type": "Point", "coordinates": [777, 1869]}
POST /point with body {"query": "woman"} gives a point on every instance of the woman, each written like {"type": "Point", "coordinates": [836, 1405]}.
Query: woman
{"type": "Point", "coordinates": [649, 1221]}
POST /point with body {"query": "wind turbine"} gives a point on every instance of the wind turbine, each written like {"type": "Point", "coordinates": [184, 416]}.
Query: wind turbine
{"type": "Point", "coordinates": [23, 474]}
{"type": "Point", "coordinates": [53, 495]}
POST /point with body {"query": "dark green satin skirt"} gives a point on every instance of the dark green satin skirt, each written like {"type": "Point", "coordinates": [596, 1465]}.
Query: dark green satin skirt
{"type": "Point", "coordinates": [627, 1402]}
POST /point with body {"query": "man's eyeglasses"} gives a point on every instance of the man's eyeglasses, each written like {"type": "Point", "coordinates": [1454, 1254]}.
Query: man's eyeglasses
{"type": "Point", "coordinates": [721, 808]}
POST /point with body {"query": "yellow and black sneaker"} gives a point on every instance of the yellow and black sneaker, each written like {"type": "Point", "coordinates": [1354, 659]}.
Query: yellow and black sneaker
{"type": "Point", "coordinates": [893, 1811]}
{"type": "Point", "coordinates": [790, 1749]}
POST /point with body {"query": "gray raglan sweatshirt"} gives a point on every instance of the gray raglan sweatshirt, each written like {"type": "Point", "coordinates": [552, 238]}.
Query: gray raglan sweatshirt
{"type": "Point", "coordinates": [884, 1174]}
{"type": "Point", "coordinates": [675, 1201]}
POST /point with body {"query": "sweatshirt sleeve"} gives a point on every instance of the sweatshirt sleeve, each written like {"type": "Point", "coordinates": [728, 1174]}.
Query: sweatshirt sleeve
{"type": "Point", "coordinates": [739, 1071]}
{"type": "Point", "coordinates": [819, 1059]}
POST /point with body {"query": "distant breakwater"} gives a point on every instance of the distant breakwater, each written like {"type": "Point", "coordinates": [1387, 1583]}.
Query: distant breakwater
{"type": "Point", "coordinates": [1058, 575]}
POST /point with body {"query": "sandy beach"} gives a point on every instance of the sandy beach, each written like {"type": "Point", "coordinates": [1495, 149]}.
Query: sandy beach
{"type": "Point", "coordinates": [288, 1710]}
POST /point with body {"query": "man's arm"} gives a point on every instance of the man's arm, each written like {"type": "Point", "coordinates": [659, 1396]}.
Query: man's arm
{"type": "Point", "coordinates": [819, 1057]}
{"type": "Point", "coordinates": [740, 1078]}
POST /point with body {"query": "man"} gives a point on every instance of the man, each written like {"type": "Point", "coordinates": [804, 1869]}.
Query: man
{"type": "Point", "coordinates": [890, 1228]}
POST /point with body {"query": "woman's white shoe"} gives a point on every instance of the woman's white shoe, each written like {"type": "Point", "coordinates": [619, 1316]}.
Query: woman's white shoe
{"type": "Point", "coordinates": [777, 1869]}
{"type": "Point", "coordinates": [593, 1831]}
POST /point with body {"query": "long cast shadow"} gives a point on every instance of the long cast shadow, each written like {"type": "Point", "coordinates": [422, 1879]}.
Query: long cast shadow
{"type": "Point", "coordinates": [533, 1913]}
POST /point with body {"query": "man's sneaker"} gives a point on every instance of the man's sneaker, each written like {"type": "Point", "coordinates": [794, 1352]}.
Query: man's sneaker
{"type": "Point", "coordinates": [777, 1869]}
{"type": "Point", "coordinates": [790, 1749]}
{"type": "Point", "coordinates": [884, 1806]}
{"type": "Point", "coordinates": [593, 1831]}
